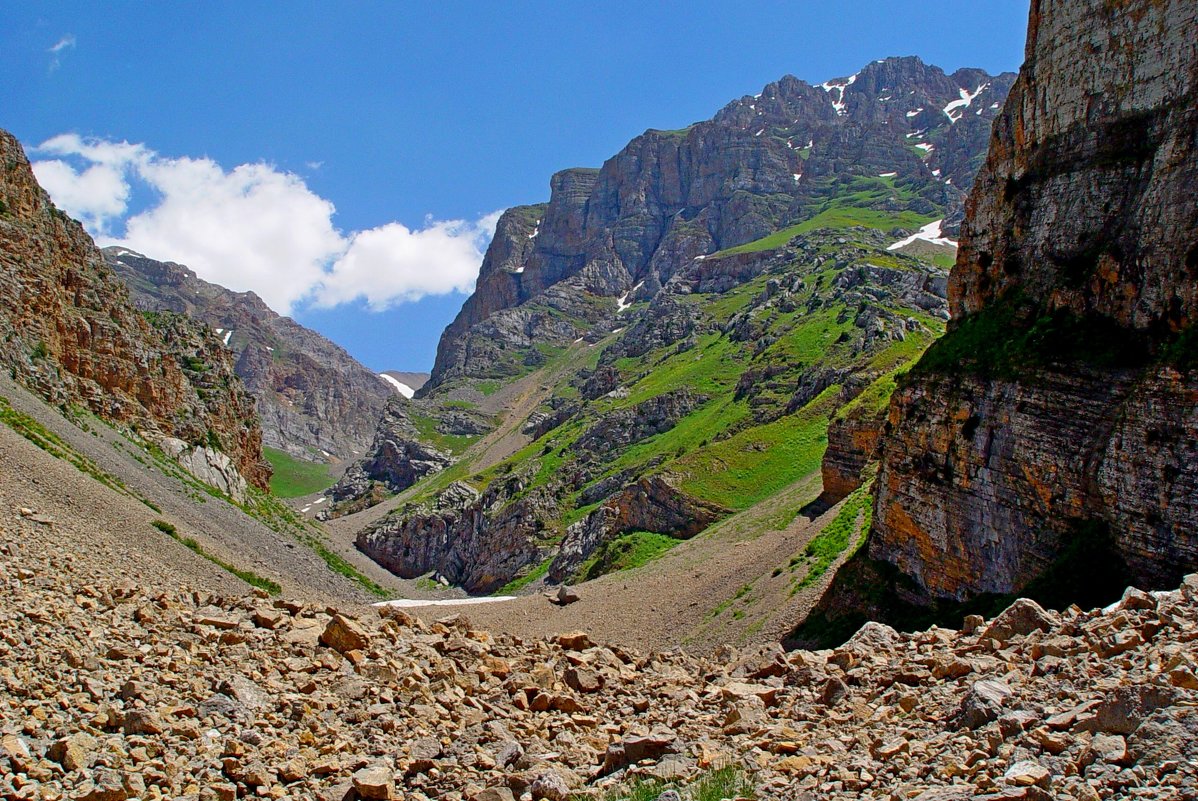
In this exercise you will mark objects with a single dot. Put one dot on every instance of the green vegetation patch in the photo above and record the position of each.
(453, 443)
(625, 553)
(1012, 336)
(754, 464)
(715, 785)
(248, 576)
(54, 445)
(515, 585)
(850, 525)
(293, 477)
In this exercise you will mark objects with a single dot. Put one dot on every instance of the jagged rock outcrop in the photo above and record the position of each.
(651, 504)
(397, 458)
(479, 542)
(314, 400)
(623, 427)
(614, 236)
(69, 331)
(1063, 404)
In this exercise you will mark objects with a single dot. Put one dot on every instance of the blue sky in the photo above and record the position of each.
(346, 159)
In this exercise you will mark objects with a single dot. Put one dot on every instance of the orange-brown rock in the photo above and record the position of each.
(68, 331)
(1078, 251)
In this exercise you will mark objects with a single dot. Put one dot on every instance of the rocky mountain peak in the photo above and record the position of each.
(760, 164)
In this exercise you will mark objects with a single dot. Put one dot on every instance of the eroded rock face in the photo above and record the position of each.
(396, 459)
(1085, 211)
(314, 400)
(69, 331)
(613, 236)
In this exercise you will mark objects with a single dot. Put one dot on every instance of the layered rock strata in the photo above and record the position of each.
(1063, 404)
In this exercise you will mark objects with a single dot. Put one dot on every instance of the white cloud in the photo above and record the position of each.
(256, 228)
(392, 263)
(67, 42)
(92, 195)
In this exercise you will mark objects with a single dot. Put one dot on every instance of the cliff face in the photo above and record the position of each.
(608, 237)
(314, 400)
(1063, 404)
(68, 330)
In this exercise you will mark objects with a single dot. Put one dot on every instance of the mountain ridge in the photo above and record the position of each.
(314, 400)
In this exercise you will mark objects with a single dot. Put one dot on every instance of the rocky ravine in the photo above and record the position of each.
(115, 689)
(1062, 408)
(314, 400)
(68, 330)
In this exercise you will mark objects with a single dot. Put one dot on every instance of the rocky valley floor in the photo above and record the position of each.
(164, 684)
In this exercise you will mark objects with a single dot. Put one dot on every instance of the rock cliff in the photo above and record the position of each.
(608, 237)
(314, 400)
(69, 331)
(1060, 413)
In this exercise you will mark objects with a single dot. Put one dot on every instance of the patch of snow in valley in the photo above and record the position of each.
(414, 603)
(915, 113)
(929, 233)
(321, 499)
(964, 102)
(228, 334)
(536, 229)
(887, 174)
(400, 387)
(925, 147)
(797, 176)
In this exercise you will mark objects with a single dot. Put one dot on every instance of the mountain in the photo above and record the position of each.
(314, 400)
(1047, 444)
(665, 342)
(616, 235)
(69, 331)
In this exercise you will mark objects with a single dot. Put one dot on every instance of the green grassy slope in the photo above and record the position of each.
(757, 429)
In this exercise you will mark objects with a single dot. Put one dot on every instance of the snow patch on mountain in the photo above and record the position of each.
(400, 387)
(955, 109)
(929, 233)
(839, 87)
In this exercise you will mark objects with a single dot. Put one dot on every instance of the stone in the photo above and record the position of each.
(375, 782)
(575, 641)
(140, 721)
(1027, 774)
(567, 595)
(550, 786)
(344, 635)
(493, 794)
(583, 680)
(833, 692)
(1111, 748)
(985, 702)
(72, 752)
(1022, 617)
(104, 785)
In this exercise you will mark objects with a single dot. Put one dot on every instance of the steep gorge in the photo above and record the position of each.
(696, 312)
